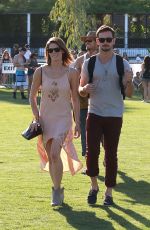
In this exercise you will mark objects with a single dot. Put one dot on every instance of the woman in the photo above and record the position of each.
(33, 64)
(59, 86)
(145, 73)
(6, 58)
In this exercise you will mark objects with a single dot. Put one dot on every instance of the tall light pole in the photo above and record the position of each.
(28, 28)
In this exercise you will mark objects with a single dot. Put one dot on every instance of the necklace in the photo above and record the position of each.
(106, 66)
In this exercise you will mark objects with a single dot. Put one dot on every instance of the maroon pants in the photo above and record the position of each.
(110, 128)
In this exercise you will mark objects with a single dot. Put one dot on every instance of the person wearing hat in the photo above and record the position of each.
(20, 63)
(91, 49)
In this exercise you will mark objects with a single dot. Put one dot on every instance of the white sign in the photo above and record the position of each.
(8, 68)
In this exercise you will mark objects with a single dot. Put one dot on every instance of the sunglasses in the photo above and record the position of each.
(102, 40)
(88, 41)
(50, 50)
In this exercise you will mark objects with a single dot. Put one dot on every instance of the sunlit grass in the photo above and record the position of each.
(25, 190)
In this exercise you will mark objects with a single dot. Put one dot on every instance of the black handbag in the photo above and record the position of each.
(28, 134)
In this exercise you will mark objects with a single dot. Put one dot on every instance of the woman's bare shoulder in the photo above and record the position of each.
(73, 70)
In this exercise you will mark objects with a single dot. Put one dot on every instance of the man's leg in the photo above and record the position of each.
(83, 116)
(112, 129)
(94, 133)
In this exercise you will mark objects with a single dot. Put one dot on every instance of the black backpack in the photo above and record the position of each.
(120, 70)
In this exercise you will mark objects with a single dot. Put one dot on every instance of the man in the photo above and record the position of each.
(104, 112)
(20, 63)
(27, 53)
(91, 48)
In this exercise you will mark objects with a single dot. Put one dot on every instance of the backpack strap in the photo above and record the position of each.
(91, 65)
(120, 70)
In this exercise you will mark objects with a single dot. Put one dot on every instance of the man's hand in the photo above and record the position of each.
(89, 88)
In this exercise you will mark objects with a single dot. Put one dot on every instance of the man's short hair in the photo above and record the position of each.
(105, 28)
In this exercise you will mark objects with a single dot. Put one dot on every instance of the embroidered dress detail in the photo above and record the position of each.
(54, 91)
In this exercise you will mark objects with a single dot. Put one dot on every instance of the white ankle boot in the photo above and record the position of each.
(57, 196)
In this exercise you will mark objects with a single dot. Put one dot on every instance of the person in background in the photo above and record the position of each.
(137, 83)
(125, 56)
(20, 63)
(14, 50)
(82, 52)
(116, 51)
(145, 74)
(6, 58)
(28, 52)
(32, 65)
(138, 58)
(91, 49)
(59, 86)
(105, 112)
(74, 54)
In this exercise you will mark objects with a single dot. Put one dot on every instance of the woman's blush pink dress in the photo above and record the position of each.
(56, 121)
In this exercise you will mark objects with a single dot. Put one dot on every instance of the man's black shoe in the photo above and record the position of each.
(108, 201)
(92, 197)
(83, 172)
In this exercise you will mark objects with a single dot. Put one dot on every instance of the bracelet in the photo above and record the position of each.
(36, 119)
(83, 92)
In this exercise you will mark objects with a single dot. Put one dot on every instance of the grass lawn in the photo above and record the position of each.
(25, 190)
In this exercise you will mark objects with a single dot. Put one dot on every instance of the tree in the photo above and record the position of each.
(17, 6)
(71, 20)
(121, 6)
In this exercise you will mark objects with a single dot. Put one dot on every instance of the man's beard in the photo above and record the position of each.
(105, 49)
(88, 49)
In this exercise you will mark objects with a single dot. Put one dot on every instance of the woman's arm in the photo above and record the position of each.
(37, 79)
(74, 84)
(127, 82)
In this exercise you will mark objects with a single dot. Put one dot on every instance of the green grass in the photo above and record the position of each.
(25, 190)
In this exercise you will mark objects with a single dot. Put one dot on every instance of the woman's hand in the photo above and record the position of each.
(34, 125)
(77, 131)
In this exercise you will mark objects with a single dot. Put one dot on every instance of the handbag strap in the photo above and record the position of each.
(39, 93)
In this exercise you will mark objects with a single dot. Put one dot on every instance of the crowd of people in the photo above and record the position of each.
(24, 61)
(68, 94)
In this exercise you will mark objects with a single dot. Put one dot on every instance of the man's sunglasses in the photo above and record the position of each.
(102, 40)
(50, 50)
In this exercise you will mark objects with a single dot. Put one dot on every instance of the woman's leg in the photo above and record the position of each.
(144, 83)
(30, 78)
(53, 149)
(148, 91)
(4, 78)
